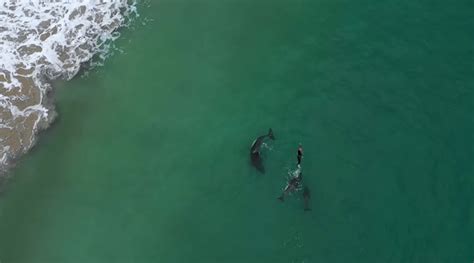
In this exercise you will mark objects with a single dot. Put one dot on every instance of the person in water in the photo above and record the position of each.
(300, 154)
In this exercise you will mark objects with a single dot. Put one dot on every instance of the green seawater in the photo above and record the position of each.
(149, 160)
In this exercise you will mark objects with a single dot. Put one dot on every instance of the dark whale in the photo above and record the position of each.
(306, 197)
(292, 185)
(255, 156)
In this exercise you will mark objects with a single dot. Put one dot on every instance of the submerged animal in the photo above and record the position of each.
(255, 156)
(306, 197)
(292, 185)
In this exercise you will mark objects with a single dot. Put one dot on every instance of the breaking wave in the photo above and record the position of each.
(41, 41)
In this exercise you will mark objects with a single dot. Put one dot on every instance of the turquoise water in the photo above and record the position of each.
(149, 162)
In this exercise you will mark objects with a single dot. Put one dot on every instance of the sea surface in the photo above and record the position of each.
(148, 160)
(41, 41)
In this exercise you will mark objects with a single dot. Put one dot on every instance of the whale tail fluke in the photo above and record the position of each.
(270, 134)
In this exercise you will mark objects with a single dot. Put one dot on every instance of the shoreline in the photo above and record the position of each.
(53, 42)
(43, 125)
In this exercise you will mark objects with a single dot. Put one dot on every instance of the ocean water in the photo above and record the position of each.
(148, 159)
(42, 41)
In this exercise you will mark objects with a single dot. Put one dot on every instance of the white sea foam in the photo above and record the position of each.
(44, 40)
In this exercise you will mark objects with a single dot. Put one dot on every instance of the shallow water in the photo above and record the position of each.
(149, 159)
(41, 41)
